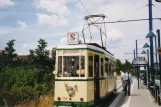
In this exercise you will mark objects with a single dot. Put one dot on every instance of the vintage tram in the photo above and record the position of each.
(84, 75)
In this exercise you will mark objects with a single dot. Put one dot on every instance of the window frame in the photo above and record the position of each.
(79, 63)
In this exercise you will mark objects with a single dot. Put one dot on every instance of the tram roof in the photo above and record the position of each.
(93, 46)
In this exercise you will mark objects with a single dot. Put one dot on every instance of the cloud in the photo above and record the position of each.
(23, 53)
(22, 24)
(6, 3)
(63, 41)
(25, 45)
(113, 35)
(53, 20)
(54, 6)
(5, 30)
(121, 36)
(90, 4)
(31, 45)
(57, 13)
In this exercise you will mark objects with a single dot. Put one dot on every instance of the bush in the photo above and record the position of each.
(20, 84)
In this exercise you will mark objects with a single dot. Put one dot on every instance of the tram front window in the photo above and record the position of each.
(73, 66)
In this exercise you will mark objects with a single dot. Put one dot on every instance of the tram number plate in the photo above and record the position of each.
(64, 98)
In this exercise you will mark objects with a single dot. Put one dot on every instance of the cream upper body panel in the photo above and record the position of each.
(85, 46)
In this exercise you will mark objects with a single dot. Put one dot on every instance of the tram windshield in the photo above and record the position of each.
(73, 66)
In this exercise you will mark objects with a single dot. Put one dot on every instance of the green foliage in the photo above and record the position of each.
(22, 80)
(123, 66)
(10, 56)
(40, 59)
(20, 84)
(8, 59)
(118, 66)
(127, 65)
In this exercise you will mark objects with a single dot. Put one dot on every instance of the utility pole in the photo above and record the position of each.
(158, 32)
(136, 49)
(151, 42)
(148, 67)
(137, 65)
(156, 55)
(134, 65)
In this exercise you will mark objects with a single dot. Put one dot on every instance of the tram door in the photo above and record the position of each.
(96, 78)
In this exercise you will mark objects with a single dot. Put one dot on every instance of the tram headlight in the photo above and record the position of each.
(54, 72)
(70, 90)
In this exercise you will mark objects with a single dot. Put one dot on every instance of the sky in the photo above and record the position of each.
(27, 21)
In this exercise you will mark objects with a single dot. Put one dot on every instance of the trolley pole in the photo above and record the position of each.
(151, 42)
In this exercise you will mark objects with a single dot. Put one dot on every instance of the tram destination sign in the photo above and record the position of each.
(71, 52)
(72, 38)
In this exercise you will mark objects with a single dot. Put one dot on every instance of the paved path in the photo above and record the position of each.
(138, 98)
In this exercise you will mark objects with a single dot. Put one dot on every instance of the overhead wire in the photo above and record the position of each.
(119, 21)
(121, 18)
(90, 19)
(132, 11)
(156, 7)
(84, 7)
(133, 20)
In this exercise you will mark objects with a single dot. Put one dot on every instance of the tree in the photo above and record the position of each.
(123, 66)
(118, 66)
(8, 57)
(29, 79)
(127, 64)
(10, 50)
(41, 60)
(53, 54)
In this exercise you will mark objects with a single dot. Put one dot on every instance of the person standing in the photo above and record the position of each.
(122, 74)
(128, 81)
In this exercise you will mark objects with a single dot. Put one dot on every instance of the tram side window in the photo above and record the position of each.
(112, 69)
(109, 69)
(82, 67)
(59, 66)
(90, 66)
(102, 66)
(106, 67)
